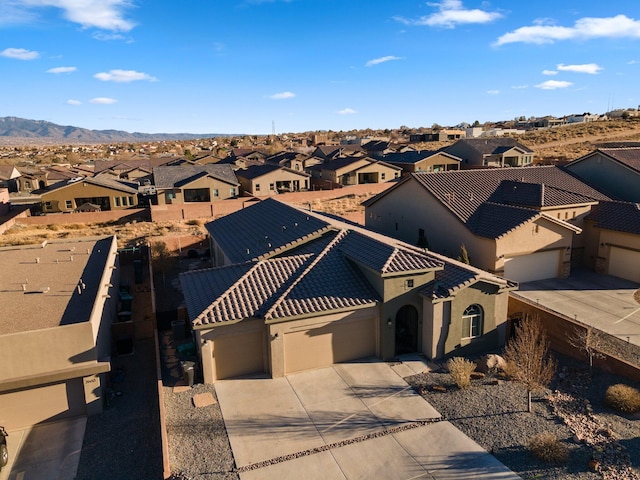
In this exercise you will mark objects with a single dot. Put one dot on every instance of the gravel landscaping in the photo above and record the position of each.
(494, 413)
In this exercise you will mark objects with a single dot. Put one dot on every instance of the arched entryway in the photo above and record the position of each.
(407, 330)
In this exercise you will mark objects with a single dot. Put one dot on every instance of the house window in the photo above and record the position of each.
(232, 191)
(409, 283)
(472, 322)
(131, 201)
(27, 184)
(272, 186)
(382, 176)
(215, 193)
(257, 187)
(47, 205)
(68, 204)
(117, 201)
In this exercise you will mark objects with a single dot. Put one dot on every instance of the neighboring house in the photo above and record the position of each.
(442, 135)
(614, 170)
(195, 183)
(9, 176)
(103, 191)
(613, 239)
(261, 180)
(423, 161)
(520, 223)
(355, 171)
(59, 299)
(5, 201)
(491, 152)
(331, 152)
(377, 148)
(296, 290)
(136, 170)
(248, 154)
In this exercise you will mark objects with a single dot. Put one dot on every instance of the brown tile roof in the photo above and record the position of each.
(618, 216)
(455, 277)
(494, 145)
(255, 171)
(628, 156)
(179, 175)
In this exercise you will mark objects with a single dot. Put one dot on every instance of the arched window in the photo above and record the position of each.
(472, 322)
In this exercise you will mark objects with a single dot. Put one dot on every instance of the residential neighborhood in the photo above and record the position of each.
(312, 336)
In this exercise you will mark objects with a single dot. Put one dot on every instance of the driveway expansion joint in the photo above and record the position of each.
(331, 446)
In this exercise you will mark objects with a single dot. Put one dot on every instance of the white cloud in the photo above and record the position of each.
(123, 76)
(549, 72)
(346, 111)
(520, 87)
(62, 70)
(493, 92)
(377, 61)
(553, 84)
(106, 37)
(586, 28)
(103, 14)
(632, 62)
(103, 100)
(590, 68)
(19, 54)
(450, 14)
(282, 96)
(71, 101)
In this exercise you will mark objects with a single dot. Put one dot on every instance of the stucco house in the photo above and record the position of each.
(59, 300)
(294, 290)
(612, 231)
(491, 152)
(355, 171)
(267, 179)
(104, 191)
(9, 176)
(614, 170)
(520, 223)
(194, 183)
(423, 161)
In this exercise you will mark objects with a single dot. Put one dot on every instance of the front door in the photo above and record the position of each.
(407, 330)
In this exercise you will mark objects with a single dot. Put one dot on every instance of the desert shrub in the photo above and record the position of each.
(196, 222)
(460, 370)
(623, 398)
(548, 448)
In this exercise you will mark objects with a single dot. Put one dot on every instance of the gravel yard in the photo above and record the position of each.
(496, 417)
(494, 414)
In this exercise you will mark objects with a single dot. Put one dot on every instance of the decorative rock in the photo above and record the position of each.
(490, 363)
(203, 400)
(477, 375)
(438, 388)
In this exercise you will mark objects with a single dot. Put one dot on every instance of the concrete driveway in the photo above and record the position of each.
(604, 302)
(49, 451)
(350, 421)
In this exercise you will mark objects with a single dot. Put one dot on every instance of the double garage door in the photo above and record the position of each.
(305, 347)
(625, 264)
(536, 266)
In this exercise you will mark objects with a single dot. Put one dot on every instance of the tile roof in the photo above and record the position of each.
(536, 195)
(176, 176)
(618, 216)
(629, 156)
(255, 171)
(103, 180)
(339, 163)
(384, 258)
(493, 220)
(263, 228)
(465, 191)
(414, 156)
(492, 145)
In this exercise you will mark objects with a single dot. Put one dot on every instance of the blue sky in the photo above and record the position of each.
(236, 66)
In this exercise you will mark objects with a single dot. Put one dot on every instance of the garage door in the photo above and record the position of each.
(239, 355)
(40, 404)
(334, 342)
(528, 268)
(624, 264)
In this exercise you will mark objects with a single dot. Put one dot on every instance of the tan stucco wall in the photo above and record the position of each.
(528, 239)
(427, 164)
(413, 208)
(82, 189)
(598, 252)
(265, 181)
(224, 190)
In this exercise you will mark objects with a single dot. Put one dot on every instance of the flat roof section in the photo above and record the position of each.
(50, 284)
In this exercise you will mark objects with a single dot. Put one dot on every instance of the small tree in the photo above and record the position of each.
(527, 356)
(161, 258)
(464, 256)
(590, 341)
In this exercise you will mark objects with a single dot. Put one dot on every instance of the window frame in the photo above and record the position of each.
(474, 315)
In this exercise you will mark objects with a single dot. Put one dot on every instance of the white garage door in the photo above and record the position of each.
(537, 266)
(624, 264)
(334, 342)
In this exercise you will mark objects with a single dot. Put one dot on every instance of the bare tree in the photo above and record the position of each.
(161, 258)
(527, 356)
(590, 341)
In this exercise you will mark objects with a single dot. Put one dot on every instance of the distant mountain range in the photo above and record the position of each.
(23, 130)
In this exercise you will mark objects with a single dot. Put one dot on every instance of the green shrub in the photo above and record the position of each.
(548, 448)
(623, 398)
(460, 370)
